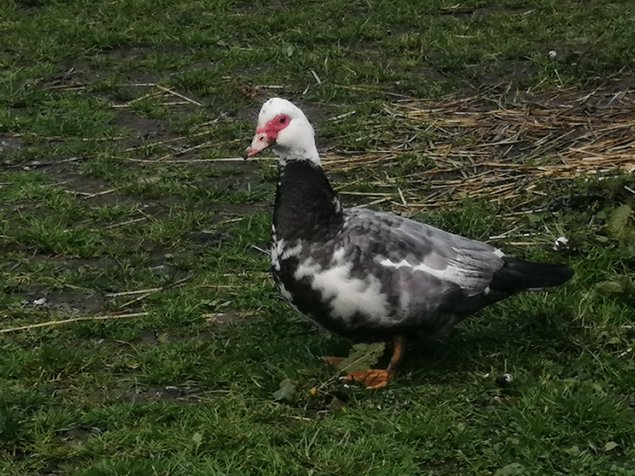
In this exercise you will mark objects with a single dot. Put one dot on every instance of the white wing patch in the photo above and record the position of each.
(459, 276)
(498, 253)
(338, 255)
(348, 295)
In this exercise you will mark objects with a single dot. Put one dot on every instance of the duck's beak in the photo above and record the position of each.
(260, 142)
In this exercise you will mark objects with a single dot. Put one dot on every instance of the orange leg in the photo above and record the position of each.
(379, 378)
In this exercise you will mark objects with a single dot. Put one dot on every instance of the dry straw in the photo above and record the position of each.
(490, 148)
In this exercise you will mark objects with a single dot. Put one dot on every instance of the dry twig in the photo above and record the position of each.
(73, 319)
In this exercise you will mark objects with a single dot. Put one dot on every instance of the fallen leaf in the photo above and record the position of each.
(313, 391)
(623, 287)
(609, 288)
(618, 223)
(362, 357)
(610, 445)
(286, 390)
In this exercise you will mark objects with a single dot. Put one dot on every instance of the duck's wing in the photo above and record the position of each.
(419, 257)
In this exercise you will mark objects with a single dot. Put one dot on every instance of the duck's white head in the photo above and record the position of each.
(284, 127)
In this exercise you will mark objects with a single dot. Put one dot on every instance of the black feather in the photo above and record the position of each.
(517, 275)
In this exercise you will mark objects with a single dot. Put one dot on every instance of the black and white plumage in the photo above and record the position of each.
(369, 275)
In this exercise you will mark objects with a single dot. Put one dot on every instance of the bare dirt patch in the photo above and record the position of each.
(144, 128)
(71, 300)
(9, 144)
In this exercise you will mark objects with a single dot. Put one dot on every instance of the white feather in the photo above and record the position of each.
(348, 295)
(451, 274)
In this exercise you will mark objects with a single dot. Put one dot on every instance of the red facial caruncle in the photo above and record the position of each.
(268, 134)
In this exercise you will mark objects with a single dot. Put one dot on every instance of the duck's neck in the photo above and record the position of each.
(306, 205)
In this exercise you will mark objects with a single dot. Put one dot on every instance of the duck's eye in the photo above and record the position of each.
(283, 120)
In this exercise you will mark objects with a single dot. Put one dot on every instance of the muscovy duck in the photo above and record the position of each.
(369, 275)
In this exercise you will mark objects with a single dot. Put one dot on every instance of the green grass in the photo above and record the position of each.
(107, 185)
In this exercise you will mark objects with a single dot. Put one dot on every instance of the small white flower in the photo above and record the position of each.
(504, 380)
(552, 54)
(39, 302)
(561, 243)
